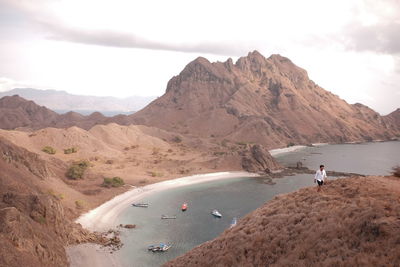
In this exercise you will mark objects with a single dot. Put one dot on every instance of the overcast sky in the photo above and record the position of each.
(123, 48)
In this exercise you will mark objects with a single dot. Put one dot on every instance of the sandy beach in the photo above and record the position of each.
(104, 217)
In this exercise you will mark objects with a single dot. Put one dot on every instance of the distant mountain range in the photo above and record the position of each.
(108, 106)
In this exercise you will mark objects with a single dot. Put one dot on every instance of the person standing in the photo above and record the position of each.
(320, 176)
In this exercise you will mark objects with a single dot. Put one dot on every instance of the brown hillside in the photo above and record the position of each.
(353, 222)
(270, 101)
(33, 224)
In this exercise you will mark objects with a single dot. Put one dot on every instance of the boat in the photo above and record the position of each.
(184, 206)
(141, 205)
(168, 217)
(159, 248)
(234, 222)
(216, 213)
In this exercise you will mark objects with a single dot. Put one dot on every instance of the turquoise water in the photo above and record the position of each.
(367, 158)
(233, 198)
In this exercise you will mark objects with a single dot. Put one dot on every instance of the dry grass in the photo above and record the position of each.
(354, 222)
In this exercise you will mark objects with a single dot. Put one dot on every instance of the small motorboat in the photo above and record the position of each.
(184, 206)
(168, 217)
(216, 213)
(141, 205)
(159, 248)
(234, 222)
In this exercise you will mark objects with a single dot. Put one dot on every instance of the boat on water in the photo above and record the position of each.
(184, 206)
(141, 205)
(159, 248)
(168, 217)
(216, 213)
(234, 222)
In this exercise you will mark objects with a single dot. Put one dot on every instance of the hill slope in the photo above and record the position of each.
(34, 226)
(270, 101)
(17, 112)
(353, 222)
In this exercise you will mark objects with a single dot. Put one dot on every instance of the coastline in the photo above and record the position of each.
(104, 217)
(278, 151)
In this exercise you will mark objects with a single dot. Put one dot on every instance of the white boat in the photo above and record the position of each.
(234, 222)
(141, 205)
(159, 248)
(216, 213)
(168, 217)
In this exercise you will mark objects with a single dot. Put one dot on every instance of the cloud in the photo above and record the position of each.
(44, 21)
(128, 40)
(375, 28)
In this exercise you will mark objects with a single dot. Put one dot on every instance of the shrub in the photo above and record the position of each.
(79, 204)
(49, 150)
(219, 153)
(113, 182)
(177, 139)
(155, 174)
(156, 150)
(143, 181)
(241, 143)
(70, 150)
(290, 144)
(77, 170)
(224, 142)
(396, 171)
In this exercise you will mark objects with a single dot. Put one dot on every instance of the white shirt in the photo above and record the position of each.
(320, 175)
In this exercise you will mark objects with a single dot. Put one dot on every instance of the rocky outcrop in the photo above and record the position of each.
(353, 222)
(19, 156)
(258, 159)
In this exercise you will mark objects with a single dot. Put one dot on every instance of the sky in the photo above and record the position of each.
(126, 47)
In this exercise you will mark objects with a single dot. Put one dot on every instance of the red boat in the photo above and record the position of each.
(184, 206)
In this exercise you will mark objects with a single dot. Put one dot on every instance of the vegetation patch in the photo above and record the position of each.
(113, 182)
(70, 150)
(79, 204)
(290, 144)
(177, 139)
(77, 169)
(49, 150)
(155, 174)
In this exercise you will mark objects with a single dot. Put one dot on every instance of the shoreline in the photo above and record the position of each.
(104, 216)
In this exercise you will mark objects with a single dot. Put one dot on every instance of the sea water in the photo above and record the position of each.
(233, 198)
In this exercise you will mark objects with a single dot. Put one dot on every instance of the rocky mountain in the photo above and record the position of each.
(354, 222)
(81, 103)
(269, 101)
